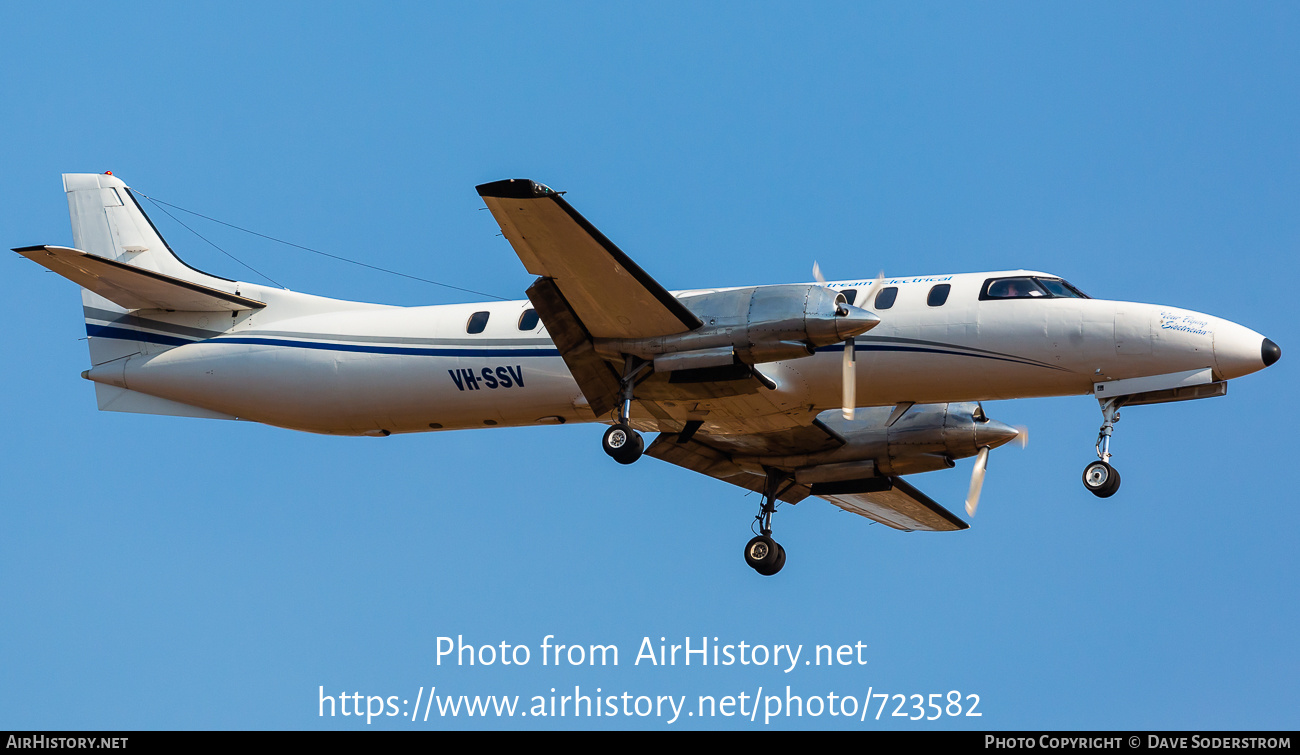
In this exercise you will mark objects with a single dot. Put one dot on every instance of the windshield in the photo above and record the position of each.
(1029, 287)
(1060, 288)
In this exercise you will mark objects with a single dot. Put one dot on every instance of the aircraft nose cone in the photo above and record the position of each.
(856, 321)
(994, 433)
(1270, 351)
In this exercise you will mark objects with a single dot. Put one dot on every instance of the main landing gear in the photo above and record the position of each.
(621, 442)
(763, 554)
(1099, 477)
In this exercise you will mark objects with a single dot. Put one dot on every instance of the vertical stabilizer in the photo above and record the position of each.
(107, 221)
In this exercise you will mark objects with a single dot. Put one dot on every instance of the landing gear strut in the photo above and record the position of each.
(621, 442)
(763, 554)
(1099, 477)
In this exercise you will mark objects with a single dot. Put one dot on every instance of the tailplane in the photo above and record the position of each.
(138, 297)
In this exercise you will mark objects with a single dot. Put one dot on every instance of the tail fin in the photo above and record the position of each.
(107, 221)
(139, 298)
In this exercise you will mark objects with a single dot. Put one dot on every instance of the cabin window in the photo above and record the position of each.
(885, 299)
(938, 295)
(477, 322)
(528, 320)
(850, 294)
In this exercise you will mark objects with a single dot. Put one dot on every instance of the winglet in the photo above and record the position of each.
(514, 188)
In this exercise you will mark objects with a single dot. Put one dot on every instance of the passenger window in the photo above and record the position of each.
(885, 299)
(477, 322)
(528, 320)
(938, 295)
(1012, 288)
(850, 294)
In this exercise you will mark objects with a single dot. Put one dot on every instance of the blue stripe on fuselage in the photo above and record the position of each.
(404, 350)
(104, 331)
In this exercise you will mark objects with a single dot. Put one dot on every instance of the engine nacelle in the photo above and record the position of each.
(755, 325)
(926, 438)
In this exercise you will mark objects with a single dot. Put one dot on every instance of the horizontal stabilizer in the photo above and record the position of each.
(133, 287)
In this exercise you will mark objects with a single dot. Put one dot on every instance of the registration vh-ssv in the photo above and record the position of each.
(828, 389)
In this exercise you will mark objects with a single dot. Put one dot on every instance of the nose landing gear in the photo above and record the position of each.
(1099, 477)
(763, 554)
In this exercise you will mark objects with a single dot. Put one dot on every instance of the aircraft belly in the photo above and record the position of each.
(343, 392)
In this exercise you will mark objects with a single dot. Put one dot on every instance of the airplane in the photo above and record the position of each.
(834, 390)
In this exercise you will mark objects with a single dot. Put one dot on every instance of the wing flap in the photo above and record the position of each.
(610, 294)
(893, 503)
(595, 377)
(133, 287)
(698, 457)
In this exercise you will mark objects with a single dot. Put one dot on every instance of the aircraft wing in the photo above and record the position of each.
(888, 500)
(588, 289)
(609, 294)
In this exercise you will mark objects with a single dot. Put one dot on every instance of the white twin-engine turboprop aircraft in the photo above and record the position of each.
(756, 386)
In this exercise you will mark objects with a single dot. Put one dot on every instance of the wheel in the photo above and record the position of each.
(623, 444)
(1101, 479)
(768, 571)
(762, 553)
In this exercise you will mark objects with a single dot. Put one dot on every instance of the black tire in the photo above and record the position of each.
(632, 451)
(761, 553)
(768, 571)
(1101, 479)
(623, 444)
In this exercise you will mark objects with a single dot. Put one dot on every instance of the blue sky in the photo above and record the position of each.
(169, 573)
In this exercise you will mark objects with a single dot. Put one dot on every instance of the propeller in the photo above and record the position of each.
(848, 370)
(849, 379)
(982, 465)
(977, 480)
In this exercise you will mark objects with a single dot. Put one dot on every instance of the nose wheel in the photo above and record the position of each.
(1099, 477)
(763, 554)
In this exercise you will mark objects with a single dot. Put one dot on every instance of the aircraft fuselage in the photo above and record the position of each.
(347, 368)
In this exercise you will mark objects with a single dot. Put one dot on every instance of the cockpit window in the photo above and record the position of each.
(885, 299)
(1013, 288)
(1029, 288)
(1060, 288)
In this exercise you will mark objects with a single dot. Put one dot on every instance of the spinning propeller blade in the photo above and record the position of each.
(977, 480)
(849, 378)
